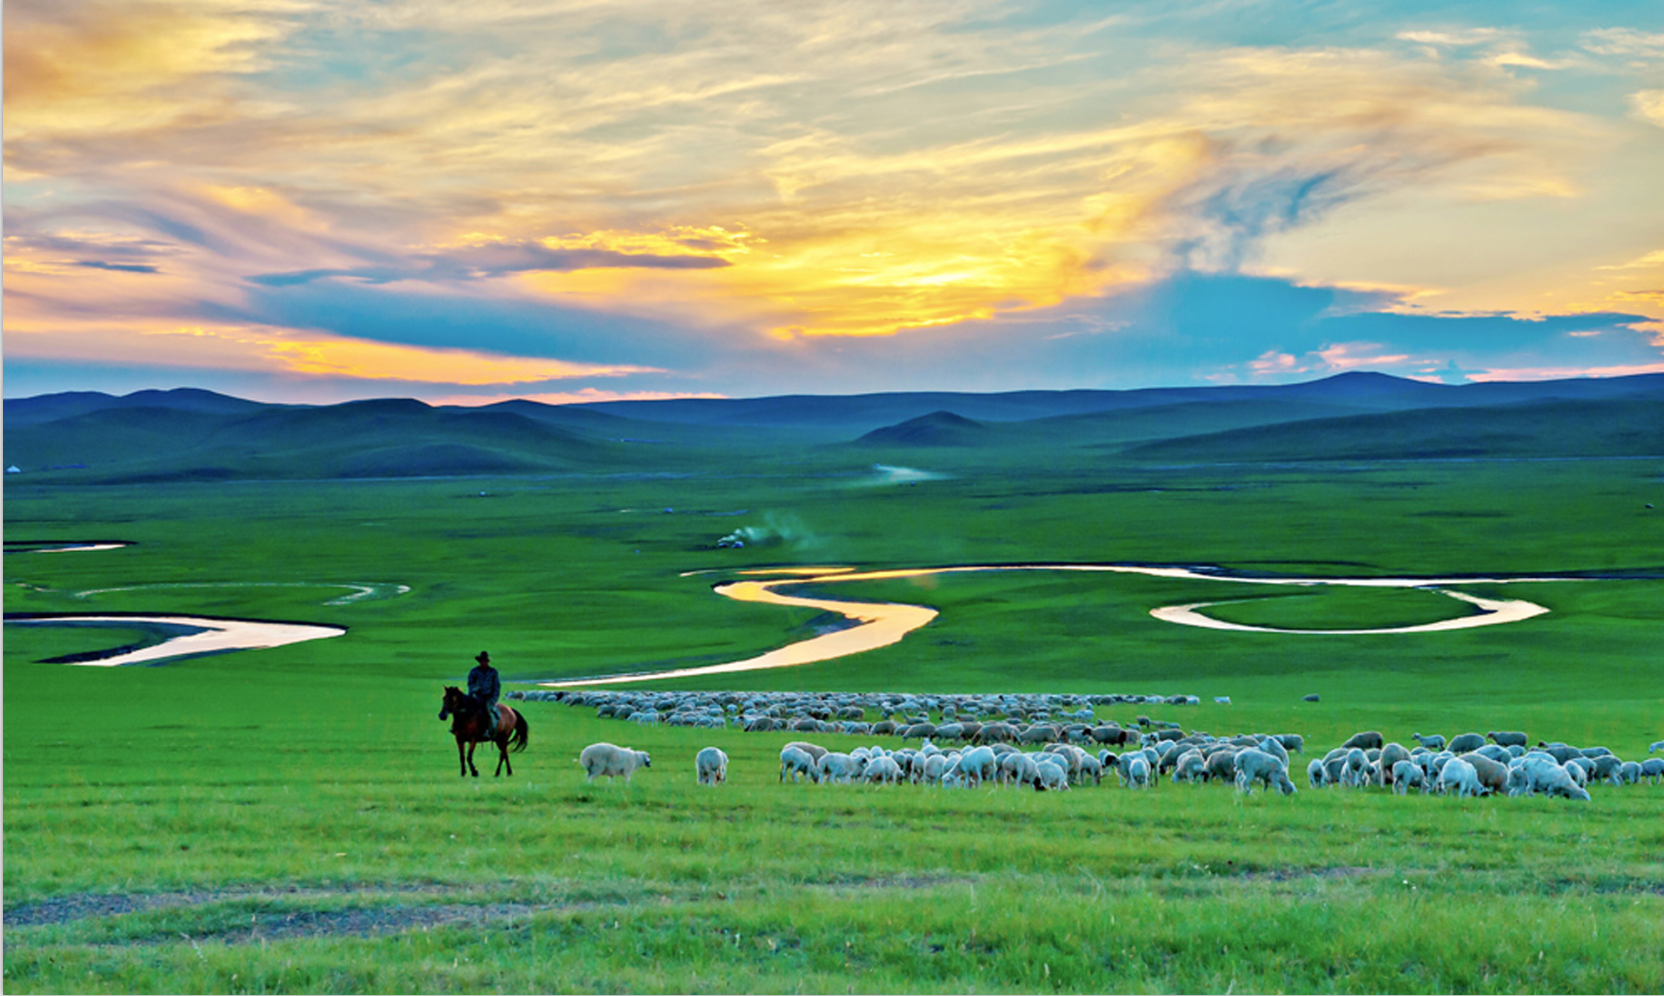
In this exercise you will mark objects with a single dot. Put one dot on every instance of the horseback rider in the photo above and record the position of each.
(485, 687)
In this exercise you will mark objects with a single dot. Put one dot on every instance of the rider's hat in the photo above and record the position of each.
(483, 658)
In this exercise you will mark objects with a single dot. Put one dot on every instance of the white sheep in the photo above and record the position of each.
(796, 761)
(1190, 767)
(1315, 773)
(978, 764)
(1054, 777)
(815, 751)
(612, 761)
(1460, 776)
(1091, 767)
(1657, 745)
(1152, 760)
(935, 767)
(1253, 765)
(711, 765)
(836, 766)
(884, 770)
(1356, 772)
(1406, 773)
(1274, 747)
(1138, 772)
(1549, 778)
(1432, 741)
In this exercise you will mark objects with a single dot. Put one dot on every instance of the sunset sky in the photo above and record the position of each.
(462, 202)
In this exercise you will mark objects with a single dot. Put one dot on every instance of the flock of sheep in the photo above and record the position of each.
(992, 751)
(909, 716)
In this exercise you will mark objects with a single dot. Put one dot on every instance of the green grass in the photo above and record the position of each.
(1336, 607)
(292, 819)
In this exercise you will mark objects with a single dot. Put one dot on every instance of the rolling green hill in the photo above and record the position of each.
(1543, 429)
(87, 437)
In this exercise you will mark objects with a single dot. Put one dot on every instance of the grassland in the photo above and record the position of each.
(291, 819)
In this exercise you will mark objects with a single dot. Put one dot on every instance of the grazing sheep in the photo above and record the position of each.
(1315, 773)
(1606, 768)
(1629, 773)
(1657, 745)
(711, 765)
(1138, 772)
(797, 761)
(1548, 778)
(1254, 765)
(1294, 743)
(1051, 778)
(1465, 743)
(1494, 752)
(612, 761)
(1310, 698)
(978, 765)
(1365, 741)
(1432, 741)
(1491, 773)
(815, 751)
(1406, 773)
(1091, 767)
(1459, 775)
(1580, 768)
(1559, 751)
(1356, 771)
(1387, 764)
(1190, 767)
(1505, 738)
(1653, 769)
(995, 732)
(1019, 769)
(1221, 765)
(1274, 747)
(935, 769)
(1114, 735)
(884, 770)
(836, 766)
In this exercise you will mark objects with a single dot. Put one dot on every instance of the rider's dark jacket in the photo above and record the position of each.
(485, 687)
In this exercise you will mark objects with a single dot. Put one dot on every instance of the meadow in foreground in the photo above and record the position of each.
(292, 820)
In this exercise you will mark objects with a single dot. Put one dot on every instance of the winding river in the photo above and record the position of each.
(872, 624)
(186, 636)
(879, 624)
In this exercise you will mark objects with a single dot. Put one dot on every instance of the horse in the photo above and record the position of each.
(468, 727)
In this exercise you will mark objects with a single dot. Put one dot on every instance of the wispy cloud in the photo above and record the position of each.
(623, 186)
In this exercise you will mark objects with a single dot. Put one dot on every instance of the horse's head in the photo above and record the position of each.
(454, 699)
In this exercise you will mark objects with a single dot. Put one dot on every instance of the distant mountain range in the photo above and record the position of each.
(190, 434)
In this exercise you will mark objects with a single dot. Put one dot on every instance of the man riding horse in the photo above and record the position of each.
(486, 688)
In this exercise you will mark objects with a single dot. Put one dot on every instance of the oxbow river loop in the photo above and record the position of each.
(879, 624)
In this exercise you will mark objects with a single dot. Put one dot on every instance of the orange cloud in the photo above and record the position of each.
(94, 69)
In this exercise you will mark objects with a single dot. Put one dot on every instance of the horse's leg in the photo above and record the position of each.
(460, 761)
(471, 769)
(502, 757)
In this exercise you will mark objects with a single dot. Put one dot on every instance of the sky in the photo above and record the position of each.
(569, 200)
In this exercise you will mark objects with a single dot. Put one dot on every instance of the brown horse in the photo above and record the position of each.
(468, 727)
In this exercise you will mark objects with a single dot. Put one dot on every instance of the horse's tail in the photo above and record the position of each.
(517, 739)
